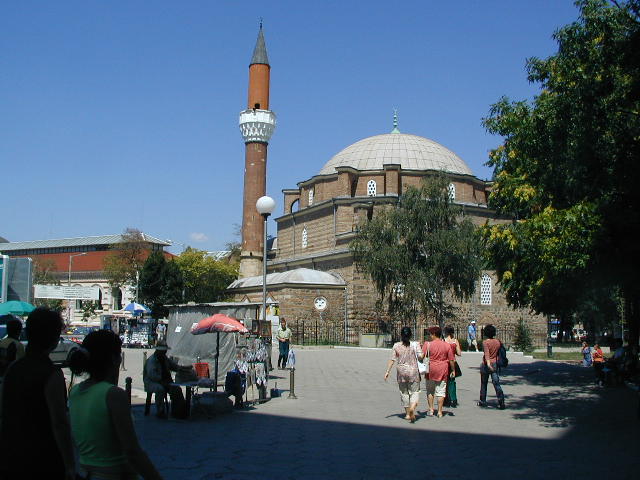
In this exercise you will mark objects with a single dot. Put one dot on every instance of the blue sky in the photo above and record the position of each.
(124, 113)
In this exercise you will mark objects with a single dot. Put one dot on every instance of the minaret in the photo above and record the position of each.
(256, 124)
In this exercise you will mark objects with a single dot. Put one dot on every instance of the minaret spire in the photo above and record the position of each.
(260, 51)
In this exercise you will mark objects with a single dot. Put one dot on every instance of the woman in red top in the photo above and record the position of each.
(451, 400)
(489, 367)
(598, 364)
(441, 367)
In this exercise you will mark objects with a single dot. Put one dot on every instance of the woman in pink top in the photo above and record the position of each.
(451, 400)
(441, 367)
(407, 354)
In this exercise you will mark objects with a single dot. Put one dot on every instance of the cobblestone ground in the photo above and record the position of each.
(347, 423)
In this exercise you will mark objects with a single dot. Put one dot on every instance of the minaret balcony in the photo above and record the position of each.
(257, 125)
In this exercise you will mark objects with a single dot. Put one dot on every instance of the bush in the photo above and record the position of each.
(522, 340)
(464, 345)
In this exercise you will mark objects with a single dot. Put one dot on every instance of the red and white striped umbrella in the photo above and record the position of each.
(218, 323)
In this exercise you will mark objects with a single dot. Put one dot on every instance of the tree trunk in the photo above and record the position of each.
(632, 315)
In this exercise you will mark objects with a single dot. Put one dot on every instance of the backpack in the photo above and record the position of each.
(502, 360)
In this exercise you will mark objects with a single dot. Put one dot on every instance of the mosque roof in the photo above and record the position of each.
(411, 152)
(300, 276)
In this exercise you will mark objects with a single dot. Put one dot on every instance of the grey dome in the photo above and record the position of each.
(410, 151)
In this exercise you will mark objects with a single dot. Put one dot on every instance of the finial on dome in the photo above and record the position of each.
(395, 121)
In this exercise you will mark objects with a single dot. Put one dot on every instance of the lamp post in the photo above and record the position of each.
(265, 206)
(69, 310)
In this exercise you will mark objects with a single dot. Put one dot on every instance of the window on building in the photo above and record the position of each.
(116, 295)
(310, 196)
(485, 289)
(304, 237)
(452, 191)
(371, 188)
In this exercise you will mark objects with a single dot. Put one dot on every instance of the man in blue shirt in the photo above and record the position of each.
(472, 334)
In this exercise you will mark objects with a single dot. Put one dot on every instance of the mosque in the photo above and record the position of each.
(311, 271)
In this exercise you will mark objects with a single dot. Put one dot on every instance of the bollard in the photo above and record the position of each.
(292, 384)
(127, 387)
(144, 360)
(122, 367)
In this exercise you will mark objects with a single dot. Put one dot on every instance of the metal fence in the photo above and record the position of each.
(319, 332)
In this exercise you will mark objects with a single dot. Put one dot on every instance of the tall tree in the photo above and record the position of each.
(567, 169)
(205, 279)
(161, 284)
(420, 253)
(126, 258)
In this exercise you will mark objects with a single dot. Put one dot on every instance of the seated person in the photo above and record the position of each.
(157, 378)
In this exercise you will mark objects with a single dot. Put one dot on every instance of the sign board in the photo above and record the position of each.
(20, 279)
(4, 269)
(63, 292)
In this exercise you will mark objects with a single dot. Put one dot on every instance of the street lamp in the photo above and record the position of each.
(69, 283)
(70, 260)
(265, 206)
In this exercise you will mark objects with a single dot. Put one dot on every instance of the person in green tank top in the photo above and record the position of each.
(100, 414)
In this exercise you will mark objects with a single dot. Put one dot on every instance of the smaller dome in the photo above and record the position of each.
(411, 152)
(299, 276)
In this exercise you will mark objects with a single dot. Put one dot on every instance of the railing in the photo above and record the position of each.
(320, 332)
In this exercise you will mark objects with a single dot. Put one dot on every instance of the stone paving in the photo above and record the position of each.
(347, 423)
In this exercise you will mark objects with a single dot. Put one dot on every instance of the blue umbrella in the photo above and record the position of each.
(16, 307)
(136, 308)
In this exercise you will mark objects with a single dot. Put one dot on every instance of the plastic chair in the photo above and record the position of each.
(202, 369)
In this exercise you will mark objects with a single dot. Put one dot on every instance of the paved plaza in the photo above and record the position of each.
(347, 423)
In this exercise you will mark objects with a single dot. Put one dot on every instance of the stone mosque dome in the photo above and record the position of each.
(410, 151)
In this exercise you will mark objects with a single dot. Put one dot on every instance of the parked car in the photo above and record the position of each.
(59, 356)
(61, 353)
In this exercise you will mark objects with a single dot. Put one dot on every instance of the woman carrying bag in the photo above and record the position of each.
(451, 399)
(407, 355)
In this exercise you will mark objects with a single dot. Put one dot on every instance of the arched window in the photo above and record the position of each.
(452, 192)
(116, 296)
(371, 188)
(304, 237)
(310, 196)
(485, 290)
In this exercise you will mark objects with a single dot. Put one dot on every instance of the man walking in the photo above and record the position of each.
(284, 338)
(472, 336)
(489, 367)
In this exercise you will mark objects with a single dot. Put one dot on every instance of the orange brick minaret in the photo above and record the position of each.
(257, 124)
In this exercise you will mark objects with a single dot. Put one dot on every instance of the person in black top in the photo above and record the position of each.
(35, 438)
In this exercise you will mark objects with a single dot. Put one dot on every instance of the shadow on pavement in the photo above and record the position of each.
(602, 437)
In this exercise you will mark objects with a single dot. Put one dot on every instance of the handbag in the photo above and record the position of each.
(422, 368)
(457, 370)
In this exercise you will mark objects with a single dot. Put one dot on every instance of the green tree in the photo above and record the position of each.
(522, 340)
(124, 262)
(567, 169)
(205, 279)
(43, 274)
(160, 284)
(421, 253)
